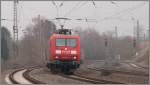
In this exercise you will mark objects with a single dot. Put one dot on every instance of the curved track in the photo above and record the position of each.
(16, 77)
(138, 70)
(75, 76)
(138, 66)
(119, 71)
(80, 77)
(11, 77)
(21, 76)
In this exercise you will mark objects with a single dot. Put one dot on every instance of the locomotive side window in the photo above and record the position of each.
(71, 42)
(60, 42)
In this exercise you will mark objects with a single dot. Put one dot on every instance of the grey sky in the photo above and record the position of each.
(106, 13)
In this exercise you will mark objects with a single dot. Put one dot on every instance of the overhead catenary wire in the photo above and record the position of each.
(121, 13)
(61, 4)
(117, 17)
(66, 13)
(72, 9)
(128, 10)
(94, 3)
(57, 11)
(116, 14)
(114, 3)
(77, 6)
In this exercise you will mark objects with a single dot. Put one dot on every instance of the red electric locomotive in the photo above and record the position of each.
(64, 51)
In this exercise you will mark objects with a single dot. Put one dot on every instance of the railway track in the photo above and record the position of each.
(21, 76)
(33, 80)
(120, 71)
(138, 66)
(27, 79)
(11, 77)
(141, 70)
(75, 76)
(80, 77)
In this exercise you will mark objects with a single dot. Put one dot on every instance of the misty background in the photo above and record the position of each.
(36, 25)
(122, 14)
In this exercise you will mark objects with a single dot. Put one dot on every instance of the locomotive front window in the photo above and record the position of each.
(60, 42)
(66, 42)
(71, 42)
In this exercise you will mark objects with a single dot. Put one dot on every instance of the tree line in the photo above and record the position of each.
(33, 47)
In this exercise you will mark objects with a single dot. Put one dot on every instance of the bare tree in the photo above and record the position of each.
(93, 45)
(34, 46)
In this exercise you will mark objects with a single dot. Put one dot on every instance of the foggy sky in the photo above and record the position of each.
(107, 14)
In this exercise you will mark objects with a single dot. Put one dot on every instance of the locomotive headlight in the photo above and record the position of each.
(74, 57)
(73, 52)
(56, 57)
(58, 51)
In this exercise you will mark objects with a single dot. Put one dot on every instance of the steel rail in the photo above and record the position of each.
(11, 76)
(83, 78)
(25, 75)
(99, 81)
(119, 71)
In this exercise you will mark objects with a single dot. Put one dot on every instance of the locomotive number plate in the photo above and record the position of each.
(65, 52)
